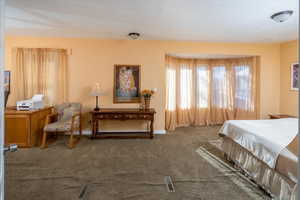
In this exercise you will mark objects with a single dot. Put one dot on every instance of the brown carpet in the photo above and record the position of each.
(132, 169)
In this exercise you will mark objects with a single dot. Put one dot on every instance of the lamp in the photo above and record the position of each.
(96, 92)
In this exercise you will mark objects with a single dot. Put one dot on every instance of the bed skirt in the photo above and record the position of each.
(277, 185)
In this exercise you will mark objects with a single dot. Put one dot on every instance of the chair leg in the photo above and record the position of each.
(80, 129)
(80, 132)
(44, 140)
(71, 140)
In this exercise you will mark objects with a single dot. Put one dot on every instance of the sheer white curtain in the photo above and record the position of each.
(203, 92)
(41, 71)
(245, 86)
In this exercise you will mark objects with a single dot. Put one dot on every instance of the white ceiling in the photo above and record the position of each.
(196, 20)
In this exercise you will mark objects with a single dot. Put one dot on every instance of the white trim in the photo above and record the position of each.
(89, 132)
(160, 132)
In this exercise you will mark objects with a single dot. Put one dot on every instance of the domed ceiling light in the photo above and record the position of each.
(282, 16)
(133, 35)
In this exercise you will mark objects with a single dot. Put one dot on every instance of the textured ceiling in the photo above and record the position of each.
(196, 20)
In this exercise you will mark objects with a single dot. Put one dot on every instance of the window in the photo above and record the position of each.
(209, 91)
(185, 87)
(243, 88)
(202, 87)
(171, 85)
(41, 71)
(219, 87)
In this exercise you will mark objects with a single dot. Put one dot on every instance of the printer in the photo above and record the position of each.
(35, 103)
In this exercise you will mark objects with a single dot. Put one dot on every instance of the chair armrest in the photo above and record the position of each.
(51, 118)
(74, 118)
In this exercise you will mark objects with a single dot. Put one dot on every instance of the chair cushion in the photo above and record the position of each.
(65, 113)
(68, 113)
(67, 110)
(60, 126)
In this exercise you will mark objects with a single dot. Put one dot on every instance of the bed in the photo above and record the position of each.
(266, 150)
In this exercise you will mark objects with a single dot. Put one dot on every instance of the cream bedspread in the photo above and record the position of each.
(264, 138)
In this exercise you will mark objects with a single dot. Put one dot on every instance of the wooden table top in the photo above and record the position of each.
(13, 110)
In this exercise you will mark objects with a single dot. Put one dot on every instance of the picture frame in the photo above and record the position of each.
(295, 76)
(6, 86)
(127, 84)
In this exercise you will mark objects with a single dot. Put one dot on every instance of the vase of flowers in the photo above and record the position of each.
(147, 94)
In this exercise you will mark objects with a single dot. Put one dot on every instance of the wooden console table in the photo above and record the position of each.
(122, 115)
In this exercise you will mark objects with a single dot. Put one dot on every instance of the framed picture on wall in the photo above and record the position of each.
(127, 80)
(295, 76)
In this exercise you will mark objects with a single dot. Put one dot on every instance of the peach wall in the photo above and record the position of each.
(92, 61)
(288, 97)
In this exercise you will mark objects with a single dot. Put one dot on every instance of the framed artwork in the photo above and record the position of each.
(295, 76)
(127, 79)
(6, 86)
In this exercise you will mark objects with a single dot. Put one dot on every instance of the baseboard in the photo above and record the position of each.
(89, 132)
(160, 132)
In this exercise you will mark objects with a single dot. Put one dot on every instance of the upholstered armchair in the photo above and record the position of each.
(66, 118)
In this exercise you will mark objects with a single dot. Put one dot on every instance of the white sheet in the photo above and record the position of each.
(264, 138)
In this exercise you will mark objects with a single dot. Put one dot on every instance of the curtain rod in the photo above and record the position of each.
(207, 56)
(69, 50)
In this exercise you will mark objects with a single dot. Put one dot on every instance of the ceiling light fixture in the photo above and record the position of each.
(134, 36)
(282, 16)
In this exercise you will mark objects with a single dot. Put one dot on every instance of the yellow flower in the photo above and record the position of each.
(147, 93)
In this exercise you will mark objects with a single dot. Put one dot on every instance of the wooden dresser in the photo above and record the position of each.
(25, 128)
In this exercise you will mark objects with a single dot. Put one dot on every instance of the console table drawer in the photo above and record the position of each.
(110, 116)
(125, 116)
(145, 116)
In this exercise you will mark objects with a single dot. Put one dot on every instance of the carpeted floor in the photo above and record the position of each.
(132, 169)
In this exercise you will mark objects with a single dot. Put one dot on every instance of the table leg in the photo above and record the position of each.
(95, 129)
(151, 129)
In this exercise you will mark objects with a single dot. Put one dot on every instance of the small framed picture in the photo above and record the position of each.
(127, 84)
(295, 76)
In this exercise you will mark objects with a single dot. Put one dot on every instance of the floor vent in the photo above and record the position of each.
(169, 184)
(83, 191)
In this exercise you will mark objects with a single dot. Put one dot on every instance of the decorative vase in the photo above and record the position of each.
(147, 102)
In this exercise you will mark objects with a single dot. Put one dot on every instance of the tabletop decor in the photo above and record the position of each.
(127, 84)
(96, 92)
(147, 94)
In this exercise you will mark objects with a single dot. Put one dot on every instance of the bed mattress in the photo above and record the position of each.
(265, 139)
(279, 182)
(287, 162)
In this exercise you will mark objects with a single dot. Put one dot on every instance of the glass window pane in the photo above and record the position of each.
(242, 87)
(171, 89)
(185, 87)
(202, 77)
(219, 87)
